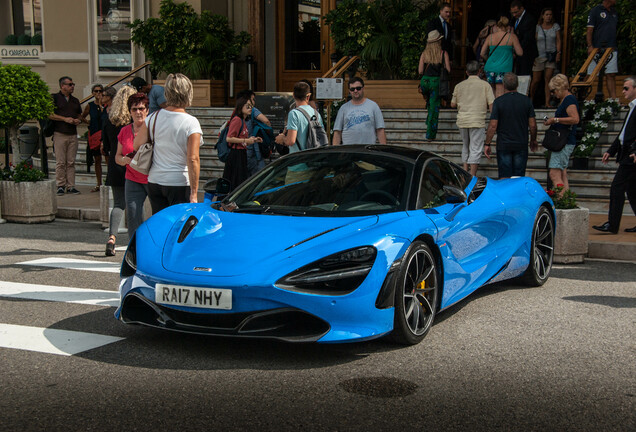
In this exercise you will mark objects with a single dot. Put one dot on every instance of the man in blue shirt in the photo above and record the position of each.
(602, 23)
(155, 94)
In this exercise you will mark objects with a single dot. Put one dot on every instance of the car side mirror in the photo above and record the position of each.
(454, 195)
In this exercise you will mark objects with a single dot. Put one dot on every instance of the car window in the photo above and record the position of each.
(463, 177)
(327, 184)
(437, 174)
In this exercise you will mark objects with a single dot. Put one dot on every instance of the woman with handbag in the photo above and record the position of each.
(118, 117)
(174, 175)
(566, 117)
(499, 48)
(548, 37)
(94, 111)
(136, 183)
(433, 63)
(238, 139)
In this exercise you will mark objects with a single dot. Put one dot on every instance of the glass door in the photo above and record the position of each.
(303, 51)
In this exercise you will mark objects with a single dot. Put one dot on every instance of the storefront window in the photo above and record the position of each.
(114, 50)
(27, 19)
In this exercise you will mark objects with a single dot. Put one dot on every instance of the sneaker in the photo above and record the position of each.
(60, 190)
(73, 191)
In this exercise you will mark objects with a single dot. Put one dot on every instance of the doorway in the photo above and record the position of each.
(303, 48)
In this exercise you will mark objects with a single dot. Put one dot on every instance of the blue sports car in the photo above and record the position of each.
(336, 244)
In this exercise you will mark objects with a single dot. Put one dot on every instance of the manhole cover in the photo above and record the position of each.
(385, 387)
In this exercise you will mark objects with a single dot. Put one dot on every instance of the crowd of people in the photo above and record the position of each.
(121, 121)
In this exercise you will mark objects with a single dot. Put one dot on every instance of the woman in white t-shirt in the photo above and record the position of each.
(174, 175)
(548, 36)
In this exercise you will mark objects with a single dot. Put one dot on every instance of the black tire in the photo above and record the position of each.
(416, 294)
(542, 249)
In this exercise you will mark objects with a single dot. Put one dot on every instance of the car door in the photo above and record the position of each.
(467, 231)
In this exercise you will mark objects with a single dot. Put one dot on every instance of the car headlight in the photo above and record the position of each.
(129, 264)
(337, 274)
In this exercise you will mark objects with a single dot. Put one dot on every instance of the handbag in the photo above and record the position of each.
(444, 82)
(142, 161)
(555, 138)
(94, 140)
(550, 56)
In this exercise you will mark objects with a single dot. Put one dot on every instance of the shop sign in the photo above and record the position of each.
(20, 51)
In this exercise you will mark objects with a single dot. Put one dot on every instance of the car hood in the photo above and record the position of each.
(231, 244)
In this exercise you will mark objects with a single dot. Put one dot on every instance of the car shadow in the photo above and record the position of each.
(145, 347)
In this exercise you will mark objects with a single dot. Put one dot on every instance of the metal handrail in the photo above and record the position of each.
(341, 66)
(583, 81)
(120, 79)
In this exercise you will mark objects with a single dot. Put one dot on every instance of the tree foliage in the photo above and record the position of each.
(23, 96)
(388, 35)
(181, 40)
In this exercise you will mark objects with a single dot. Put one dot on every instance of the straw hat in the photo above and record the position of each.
(433, 36)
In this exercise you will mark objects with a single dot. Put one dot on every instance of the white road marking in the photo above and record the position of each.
(75, 264)
(121, 248)
(59, 294)
(51, 341)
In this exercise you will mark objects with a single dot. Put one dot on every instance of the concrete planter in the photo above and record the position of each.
(28, 202)
(570, 242)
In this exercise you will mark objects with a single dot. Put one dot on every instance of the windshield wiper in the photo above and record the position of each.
(263, 209)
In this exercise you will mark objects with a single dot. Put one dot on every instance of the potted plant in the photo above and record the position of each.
(389, 37)
(570, 246)
(23, 96)
(26, 196)
(596, 117)
(199, 46)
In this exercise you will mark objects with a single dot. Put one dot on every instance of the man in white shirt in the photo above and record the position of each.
(624, 147)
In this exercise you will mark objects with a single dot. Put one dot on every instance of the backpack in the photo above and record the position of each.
(316, 135)
(222, 147)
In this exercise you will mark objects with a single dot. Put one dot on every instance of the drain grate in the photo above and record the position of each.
(385, 387)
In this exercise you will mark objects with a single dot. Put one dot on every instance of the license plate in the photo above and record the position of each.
(207, 298)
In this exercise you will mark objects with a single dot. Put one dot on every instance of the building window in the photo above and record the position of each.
(27, 19)
(114, 49)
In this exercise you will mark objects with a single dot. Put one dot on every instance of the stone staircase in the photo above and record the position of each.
(407, 128)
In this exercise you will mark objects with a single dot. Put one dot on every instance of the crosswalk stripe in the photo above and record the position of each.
(51, 341)
(59, 294)
(74, 264)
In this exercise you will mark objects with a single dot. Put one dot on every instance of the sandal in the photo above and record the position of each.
(95, 189)
(110, 247)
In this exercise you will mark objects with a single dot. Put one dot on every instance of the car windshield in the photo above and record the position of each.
(325, 184)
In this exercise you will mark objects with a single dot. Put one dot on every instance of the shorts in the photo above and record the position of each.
(512, 163)
(495, 77)
(473, 144)
(542, 63)
(560, 159)
(611, 67)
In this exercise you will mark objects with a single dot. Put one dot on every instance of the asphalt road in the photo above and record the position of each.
(558, 357)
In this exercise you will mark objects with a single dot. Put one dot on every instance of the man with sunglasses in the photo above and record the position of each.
(66, 114)
(360, 120)
(624, 148)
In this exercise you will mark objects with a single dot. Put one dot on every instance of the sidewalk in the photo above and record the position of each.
(621, 246)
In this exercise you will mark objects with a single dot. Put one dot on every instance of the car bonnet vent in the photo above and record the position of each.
(188, 226)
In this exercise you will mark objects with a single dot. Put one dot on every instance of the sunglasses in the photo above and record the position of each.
(70, 84)
(138, 109)
(355, 88)
(626, 88)
(98, 91)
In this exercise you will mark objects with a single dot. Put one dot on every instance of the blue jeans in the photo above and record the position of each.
(512, 163)
(136, 194)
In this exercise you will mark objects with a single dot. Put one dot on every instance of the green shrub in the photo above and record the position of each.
(388, 35)
(11, 40)
(23, 172)
(24, 40)
(36, 39)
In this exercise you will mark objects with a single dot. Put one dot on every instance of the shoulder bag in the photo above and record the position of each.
(142, 161)
(444, 81)
(555, 138)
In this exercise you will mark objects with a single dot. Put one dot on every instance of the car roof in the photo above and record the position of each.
(412, 154)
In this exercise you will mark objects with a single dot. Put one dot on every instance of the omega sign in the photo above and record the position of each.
(19, 51)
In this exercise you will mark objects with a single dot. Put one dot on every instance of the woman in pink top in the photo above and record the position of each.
(136, 187)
